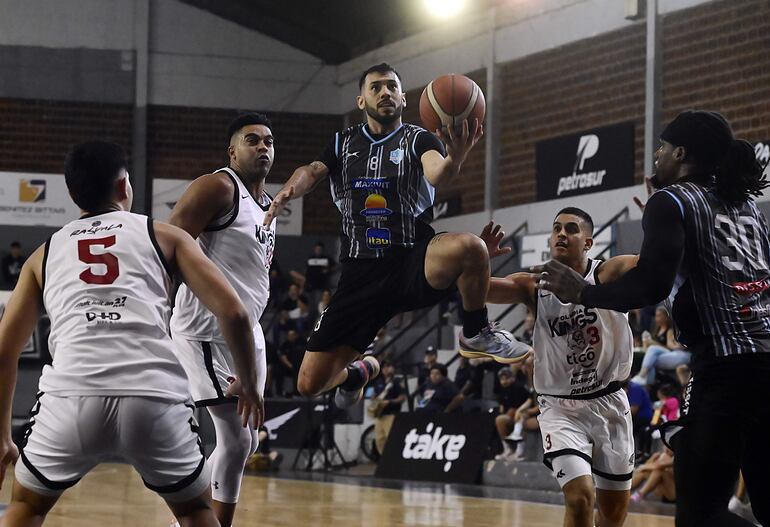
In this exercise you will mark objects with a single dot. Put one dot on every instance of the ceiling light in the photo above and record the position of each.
(444, 8)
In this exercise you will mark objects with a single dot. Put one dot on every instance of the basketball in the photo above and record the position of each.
(450, 99)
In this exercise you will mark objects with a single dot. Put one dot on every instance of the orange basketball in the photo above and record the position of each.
(450, 99)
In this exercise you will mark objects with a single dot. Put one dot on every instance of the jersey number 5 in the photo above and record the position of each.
(108, 260)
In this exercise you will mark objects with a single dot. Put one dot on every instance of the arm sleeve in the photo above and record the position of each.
(426, 141)
(653, 277)
(329, 155)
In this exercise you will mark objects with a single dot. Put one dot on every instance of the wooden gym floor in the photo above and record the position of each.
(113, 495)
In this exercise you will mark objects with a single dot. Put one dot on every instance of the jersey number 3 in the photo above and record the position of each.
(110, 261)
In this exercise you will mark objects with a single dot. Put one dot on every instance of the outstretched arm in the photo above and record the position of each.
(517, 288)
(302, 181)
(649, 282)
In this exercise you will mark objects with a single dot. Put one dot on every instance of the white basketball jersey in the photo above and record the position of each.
(106, 288)
(243, 250)
(579, 350)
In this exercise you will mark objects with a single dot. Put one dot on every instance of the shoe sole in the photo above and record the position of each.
(469, 354)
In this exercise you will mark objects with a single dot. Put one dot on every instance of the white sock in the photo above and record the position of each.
(517, 431)
(520, 448)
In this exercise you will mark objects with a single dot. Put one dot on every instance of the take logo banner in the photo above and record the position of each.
(448, 448)
(586, 162)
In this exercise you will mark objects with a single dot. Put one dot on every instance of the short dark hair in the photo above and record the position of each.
(430, 350)
(505, 372)
(382, 67)
(90, 170)
(246, 119)
(16, 244)
(580, 213)
(319, 243)
(440, 367)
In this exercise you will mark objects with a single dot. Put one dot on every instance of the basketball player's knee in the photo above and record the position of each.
(578, 499)
(308, 386)
(471, 247)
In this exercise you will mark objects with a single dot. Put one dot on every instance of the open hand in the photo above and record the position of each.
(458, 146)
(279, 202)
(650, 190)
(251, 405)
(492, 234)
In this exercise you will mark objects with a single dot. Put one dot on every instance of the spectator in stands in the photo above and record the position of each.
(668, 395)
(318, 271)
(468, 379)
(271, 356)
(296, 305)
(389, 395)
(431, 358)
(662, 351)
(12, 263)
(641, 415)
(440, 395)
(323, 303)
(655, 476)
(290, 355)
(277, 284)
(513, 394)
(281, 327)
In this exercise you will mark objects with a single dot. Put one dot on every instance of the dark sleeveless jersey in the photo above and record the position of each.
(721, 298)
(379, 187)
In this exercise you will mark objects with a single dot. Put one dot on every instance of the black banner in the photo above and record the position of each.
(448, 448)
(587, 162)
(291, 423)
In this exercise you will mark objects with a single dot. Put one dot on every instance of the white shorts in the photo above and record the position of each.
(598, 431)
(68, 436)
(209, 365)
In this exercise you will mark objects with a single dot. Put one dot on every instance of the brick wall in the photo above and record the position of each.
(716, 57)
(587, 84)
(35, 135)
(182, 142)
(187, 142)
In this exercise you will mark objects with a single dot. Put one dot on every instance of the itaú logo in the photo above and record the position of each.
(433, 445)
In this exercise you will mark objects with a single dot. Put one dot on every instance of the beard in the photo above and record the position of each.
(371, 111)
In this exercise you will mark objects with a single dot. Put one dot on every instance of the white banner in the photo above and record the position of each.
(166, 192)
(535, 248)
(35, 199)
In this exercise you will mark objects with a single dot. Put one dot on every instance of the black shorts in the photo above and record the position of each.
(370, 292)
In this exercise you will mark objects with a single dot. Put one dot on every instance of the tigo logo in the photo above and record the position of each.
(31, 190)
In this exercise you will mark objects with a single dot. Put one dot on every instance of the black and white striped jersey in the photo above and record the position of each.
(721, 298)
(379, 187)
